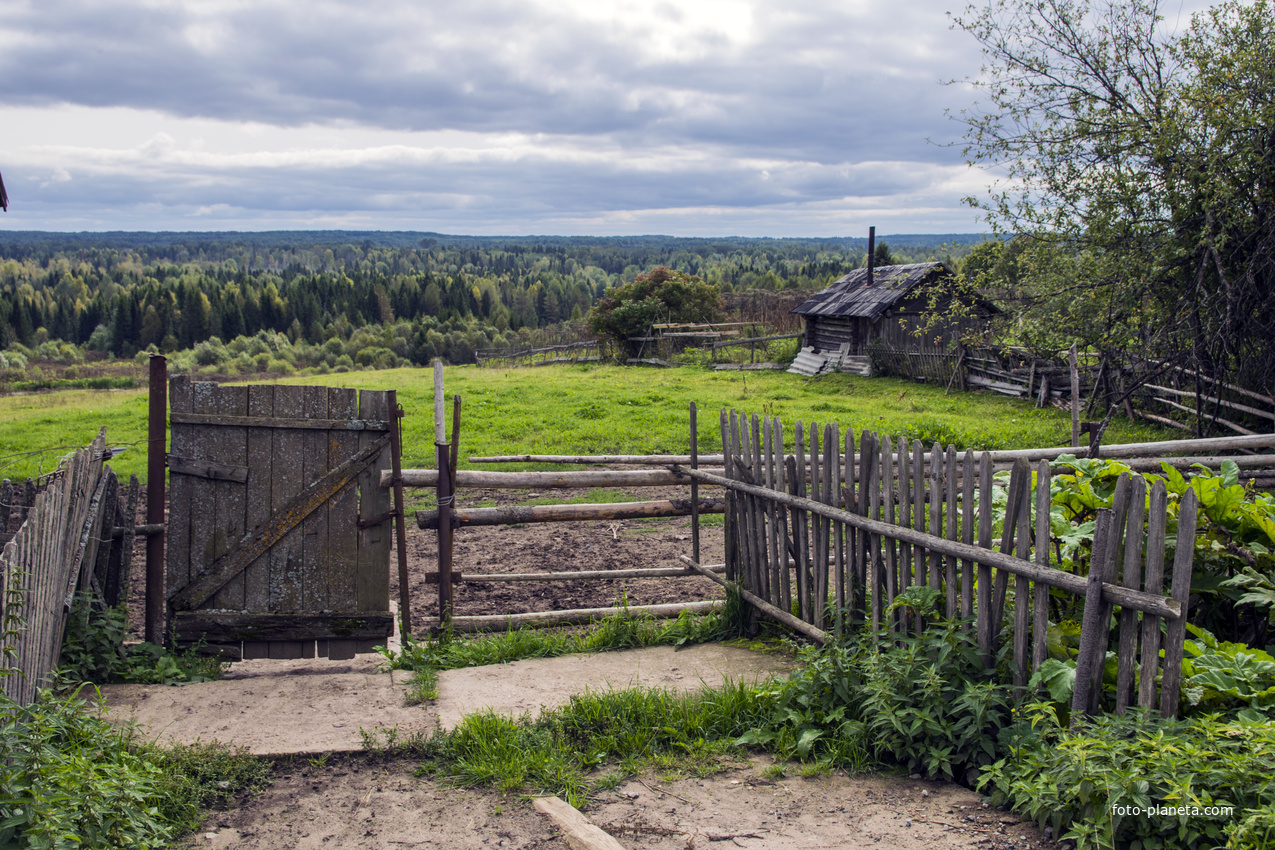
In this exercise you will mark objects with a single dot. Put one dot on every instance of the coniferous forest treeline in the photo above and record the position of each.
(421, 295)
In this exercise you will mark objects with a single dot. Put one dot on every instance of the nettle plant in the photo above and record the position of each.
(1234, 546)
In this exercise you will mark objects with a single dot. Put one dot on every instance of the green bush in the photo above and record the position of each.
(1083, 780)
(69, 778)
(925, 702)
(94, 651)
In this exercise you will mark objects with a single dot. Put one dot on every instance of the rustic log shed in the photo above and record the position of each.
(888, 304)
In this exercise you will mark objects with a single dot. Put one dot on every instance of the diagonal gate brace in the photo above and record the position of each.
(258, 541)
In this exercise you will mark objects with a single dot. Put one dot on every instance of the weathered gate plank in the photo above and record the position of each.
(222, 627)
(203, 468)
(314, 528)
(228, 446)
(258, 502)
(285, 557)
(343, 510)
(203, 496)
(259, 498)
(372, 587)
(292, 422)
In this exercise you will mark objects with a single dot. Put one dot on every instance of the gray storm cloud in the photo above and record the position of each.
(565, 109)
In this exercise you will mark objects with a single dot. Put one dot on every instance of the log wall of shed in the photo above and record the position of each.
(828, 333)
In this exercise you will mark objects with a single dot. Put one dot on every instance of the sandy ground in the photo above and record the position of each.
(328, 793)
(320, 706)
(366, 802)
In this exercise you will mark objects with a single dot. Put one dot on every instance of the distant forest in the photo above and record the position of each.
(121, 293)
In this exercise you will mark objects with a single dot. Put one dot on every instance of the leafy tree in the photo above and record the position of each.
(660, 295)
(1141, 167)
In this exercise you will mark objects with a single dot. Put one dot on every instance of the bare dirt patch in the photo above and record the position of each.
(563, 547)
(375, 803)
(272, 707)
(358, 800)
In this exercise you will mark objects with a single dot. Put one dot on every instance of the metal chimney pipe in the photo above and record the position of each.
(872, 252)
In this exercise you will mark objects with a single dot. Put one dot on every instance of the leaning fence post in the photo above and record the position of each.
(1093, 630)
(445, 498)
(156, 465)
(1180, 590)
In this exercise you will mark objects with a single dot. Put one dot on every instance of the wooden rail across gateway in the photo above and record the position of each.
(279, 532)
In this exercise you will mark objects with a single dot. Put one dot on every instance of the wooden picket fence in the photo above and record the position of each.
(56, 551)
(833, 533)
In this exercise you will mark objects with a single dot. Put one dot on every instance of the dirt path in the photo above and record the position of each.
(327, 793)
(373, 803)
(320, 706)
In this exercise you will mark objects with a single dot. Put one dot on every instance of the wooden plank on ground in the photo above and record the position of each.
(473, 478)
(501, 622)
(579, 833)
(518, 514)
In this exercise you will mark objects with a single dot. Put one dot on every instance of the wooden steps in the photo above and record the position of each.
(810, 364)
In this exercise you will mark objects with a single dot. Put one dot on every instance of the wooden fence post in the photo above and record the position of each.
(1093, 630)
(694, 486)
(1174, 648)
(1075, 396)
(446, 497)
(400, 525)
(156, 464)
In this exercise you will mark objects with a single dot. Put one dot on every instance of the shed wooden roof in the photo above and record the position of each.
(851, 295)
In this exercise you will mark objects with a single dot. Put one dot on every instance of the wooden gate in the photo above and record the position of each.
(278, 529)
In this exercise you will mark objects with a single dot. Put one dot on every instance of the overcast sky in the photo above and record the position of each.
(598, 117)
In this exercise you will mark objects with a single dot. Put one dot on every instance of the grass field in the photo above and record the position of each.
(585, 409)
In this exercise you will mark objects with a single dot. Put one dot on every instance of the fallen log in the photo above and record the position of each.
(516, 514)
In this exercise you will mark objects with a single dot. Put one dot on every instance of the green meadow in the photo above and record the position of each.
(581, 409)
